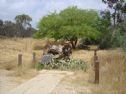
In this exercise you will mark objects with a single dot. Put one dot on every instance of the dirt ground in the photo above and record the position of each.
(74, 84)
(7, 82)
(45, 83)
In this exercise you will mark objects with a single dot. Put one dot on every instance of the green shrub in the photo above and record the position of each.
(90, 41)
(65, 65)
(123, 42)
(119, 40)
(115, 37)
(106, 41)
(39, 66)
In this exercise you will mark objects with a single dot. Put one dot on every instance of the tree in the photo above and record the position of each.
(7, 29)
(1, 27)
(70, 24)
(22, 27)
(119, 10)
(1, 23)
(118, 17)
(23, 24)
(23, 20)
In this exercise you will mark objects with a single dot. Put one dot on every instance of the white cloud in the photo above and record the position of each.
(38, 8)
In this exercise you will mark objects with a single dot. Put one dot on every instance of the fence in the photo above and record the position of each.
(96, 64)
(20, 56)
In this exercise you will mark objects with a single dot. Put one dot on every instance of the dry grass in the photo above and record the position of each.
(11, 47)
(82, 55)
(112, 73)
(39, 44)
(9, 50)
(112, 65)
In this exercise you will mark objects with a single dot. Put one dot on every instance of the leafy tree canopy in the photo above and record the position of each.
(70, 24)
(20, 28)
(23, 20)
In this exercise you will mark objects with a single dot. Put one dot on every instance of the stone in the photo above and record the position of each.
(47, 58)
(55, 50)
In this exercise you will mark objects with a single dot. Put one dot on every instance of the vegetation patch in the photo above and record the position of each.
(64, 65)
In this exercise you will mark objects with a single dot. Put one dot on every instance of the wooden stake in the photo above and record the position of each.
(96, 67)
(19, 60)
(33, 58)
(97, 72)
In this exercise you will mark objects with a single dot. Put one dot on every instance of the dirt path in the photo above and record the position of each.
(8, 82)
(44, 83)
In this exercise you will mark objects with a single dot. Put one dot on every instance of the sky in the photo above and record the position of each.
(39, 8)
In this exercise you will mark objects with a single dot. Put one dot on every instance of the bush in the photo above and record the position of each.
(115, 38)
(89, 41)
(39, 66)
(64, 65)
(106, 41)
(123, 42)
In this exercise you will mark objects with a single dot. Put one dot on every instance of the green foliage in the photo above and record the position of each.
(65, 65)
(69, 23)
(115, 38)
(104, 25)
(23, 20)
(39, 66)
(86, 41)
(106, 41)
(119, 38)
(118, 10)
(124, 42)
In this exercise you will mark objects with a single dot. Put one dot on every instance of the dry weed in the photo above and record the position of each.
(9, 50)
(112, 73)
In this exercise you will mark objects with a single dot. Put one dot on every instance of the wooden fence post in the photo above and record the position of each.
(96, 67)
(33, 58)
(19, 60)
(95, 55)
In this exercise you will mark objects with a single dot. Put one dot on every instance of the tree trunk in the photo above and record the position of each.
(74, 43)
(114, 18)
